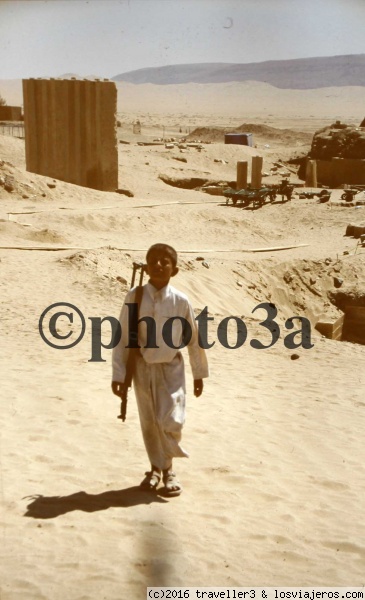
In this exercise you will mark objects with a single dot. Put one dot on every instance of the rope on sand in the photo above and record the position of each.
(211, 250)
(125, 207)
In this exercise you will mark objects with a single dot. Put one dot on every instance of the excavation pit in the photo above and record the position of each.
(350, 327)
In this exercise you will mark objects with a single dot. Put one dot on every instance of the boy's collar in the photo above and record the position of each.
(165, 291)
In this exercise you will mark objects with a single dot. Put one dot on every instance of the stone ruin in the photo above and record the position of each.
(339, 140)
(137, 127)
(11, 113)
(339, 153)
(70, 130)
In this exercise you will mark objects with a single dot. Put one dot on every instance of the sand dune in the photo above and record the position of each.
(198, 104)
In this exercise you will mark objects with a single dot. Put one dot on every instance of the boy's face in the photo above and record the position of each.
(160, 268)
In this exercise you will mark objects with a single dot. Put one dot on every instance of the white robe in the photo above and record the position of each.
(159, 379)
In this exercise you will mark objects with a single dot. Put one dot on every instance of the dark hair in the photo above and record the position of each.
(164, 248)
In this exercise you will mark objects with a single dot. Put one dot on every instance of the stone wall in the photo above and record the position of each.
(340, 171)
(10, 113)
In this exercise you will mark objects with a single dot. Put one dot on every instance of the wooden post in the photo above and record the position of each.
(311, 174)
(242, 169)
(256, 171)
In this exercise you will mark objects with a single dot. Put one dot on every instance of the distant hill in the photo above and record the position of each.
(301, 73)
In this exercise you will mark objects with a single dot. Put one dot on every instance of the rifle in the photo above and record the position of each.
(133, 336)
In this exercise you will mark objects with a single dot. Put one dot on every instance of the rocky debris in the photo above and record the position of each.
(288, 277)
(338, 140)
(122, 280)
(205, 264)
(150, 143)
(8, 183)
(180, 158)
(196, 145)
(13, 181)
(125, 192)
(51, 185)
(187, 183)
(337, 282)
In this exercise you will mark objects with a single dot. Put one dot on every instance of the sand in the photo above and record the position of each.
(274, 488)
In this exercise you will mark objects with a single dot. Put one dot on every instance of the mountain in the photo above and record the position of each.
(300, 73)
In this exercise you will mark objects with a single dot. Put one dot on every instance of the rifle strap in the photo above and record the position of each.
(131, 361)
(138, 297)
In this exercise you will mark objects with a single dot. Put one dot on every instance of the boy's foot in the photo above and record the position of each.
(172, 485)
(151, 480)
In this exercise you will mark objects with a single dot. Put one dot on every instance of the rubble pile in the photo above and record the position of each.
(338, 140)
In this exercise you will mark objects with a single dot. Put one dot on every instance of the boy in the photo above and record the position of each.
(159, 376)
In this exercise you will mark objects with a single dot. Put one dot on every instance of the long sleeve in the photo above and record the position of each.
(160, 306)
(197, 356)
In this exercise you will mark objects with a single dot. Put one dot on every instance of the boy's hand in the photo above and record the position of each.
(198, 387)
(119, 389)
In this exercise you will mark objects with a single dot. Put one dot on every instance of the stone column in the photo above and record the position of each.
(256, 171)
(242, 169)
(30, 125)
(311, 174)
(70, 131)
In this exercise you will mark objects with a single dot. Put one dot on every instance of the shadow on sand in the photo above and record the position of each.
(49, 507)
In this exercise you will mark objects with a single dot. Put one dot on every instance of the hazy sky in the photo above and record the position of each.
(108, 37)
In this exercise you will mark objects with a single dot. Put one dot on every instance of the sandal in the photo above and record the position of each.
(151, 481)
(172, 485)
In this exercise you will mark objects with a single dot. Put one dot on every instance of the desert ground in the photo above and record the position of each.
(274, 486)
